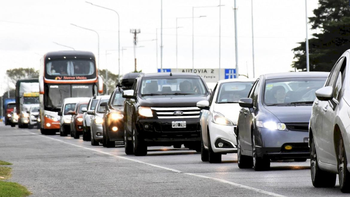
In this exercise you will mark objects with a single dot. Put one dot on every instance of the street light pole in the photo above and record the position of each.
(118, 32)
(98, 41)
(64, 45)
(193, 30)
(176, 27)
(306, 41)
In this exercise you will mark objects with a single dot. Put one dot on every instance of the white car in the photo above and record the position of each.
(34, 118)
(329, 129)
(219, 118)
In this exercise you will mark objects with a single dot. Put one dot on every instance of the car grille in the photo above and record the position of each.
(176, 112)
(303, 127)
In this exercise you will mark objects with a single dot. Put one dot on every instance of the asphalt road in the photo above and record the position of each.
(50, 165)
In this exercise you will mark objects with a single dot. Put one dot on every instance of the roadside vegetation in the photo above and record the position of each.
(10, 188)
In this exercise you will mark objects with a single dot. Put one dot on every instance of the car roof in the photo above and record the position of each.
(236, 80)
(294, 74)
(160, 75)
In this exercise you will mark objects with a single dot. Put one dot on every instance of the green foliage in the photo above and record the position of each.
(5, 163)
(21, 73)
(12, 189)
(109, 79)
(332, 18)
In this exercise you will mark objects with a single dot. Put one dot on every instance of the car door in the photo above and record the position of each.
(245, 121)
(330, 109)
(206, 116)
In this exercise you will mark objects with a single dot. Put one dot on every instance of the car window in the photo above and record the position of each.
(276, 93)
(339, 81)
(118, 100)
(81, 107)
(212, 94)
(69, 107)
(231, 92)
(93, 104)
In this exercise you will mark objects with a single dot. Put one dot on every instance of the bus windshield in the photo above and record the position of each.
(56, 94)
(30, 100)
(70, 69)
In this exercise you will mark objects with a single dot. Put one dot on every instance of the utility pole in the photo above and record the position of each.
(135, 32)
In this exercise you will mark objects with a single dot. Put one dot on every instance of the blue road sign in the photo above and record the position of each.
(230, 73)
(165, 70)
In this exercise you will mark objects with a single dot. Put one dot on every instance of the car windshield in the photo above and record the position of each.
(231, 92)
(292, 91)
(81, 108)
(35, 109)
(69, 107)
(173, 86)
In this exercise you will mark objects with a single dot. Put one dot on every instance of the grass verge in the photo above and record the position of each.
(10, 188)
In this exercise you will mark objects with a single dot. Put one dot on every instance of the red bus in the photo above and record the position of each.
(65, 74)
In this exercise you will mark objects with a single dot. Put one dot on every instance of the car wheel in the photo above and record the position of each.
(93, 141)
(243, 160)
(319, 178)
(204, 153)
(30, 126)
(86, 134)
(212, 157)
(128, 144)
(76, 135)
(344, 174)
(106, 142)
(259, 163)
(43, 131)
(13, 125)
(140, 147)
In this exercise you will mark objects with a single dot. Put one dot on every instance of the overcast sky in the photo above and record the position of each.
(30, 28)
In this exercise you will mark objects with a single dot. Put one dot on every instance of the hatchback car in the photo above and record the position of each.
(76, 125)
(34, 118)
(96, 122)
(113, 124)
(273, 121)
(87, 118)
(219, 118)
(329, 133)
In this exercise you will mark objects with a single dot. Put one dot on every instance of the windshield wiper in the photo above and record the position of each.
(153, 94)
(302, 102)
(179, 93)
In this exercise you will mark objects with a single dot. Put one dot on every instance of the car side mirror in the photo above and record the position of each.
(324, 93)
(91, 112)
(84, 109)
(204, 104)
(246, 102)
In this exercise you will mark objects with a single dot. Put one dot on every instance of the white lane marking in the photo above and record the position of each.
(170, 169)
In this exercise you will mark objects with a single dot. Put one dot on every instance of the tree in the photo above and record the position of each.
(21, 73)
(109, 80)
(332, 18)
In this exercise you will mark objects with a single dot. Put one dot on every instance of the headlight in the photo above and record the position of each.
(271, 125)
(220, 119)
(15, 116)
(50, 117)
(66, 120)
(117, 116)
(9, 115)
(25, 115)
(98, 120)
(145, 111)
(80, 119)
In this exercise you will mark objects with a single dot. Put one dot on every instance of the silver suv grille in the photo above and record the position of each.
(176, 112)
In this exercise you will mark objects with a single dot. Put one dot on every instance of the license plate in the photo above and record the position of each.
(178, 124)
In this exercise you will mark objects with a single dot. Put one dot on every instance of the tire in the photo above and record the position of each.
(243, 161)
(93, 141)
(13, 125)
(259, 163)
(212, 157)
(129, 149)
(30, 126)
(62, 131)
(204, 153)
(86, 135)
(344, 174)
(140, 147)
(319, 177)
(43, 131)
(106, 142)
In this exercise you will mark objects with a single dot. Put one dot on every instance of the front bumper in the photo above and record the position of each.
(222, 138)
(115, 130)
(287, 144)
(161, 131)
(97, 132)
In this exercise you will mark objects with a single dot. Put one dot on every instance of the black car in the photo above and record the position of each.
(113, 125)
(161, 110)
(273, 121)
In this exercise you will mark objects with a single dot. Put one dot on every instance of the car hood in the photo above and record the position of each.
(229, 110)
(291, 113)
(171, 100)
